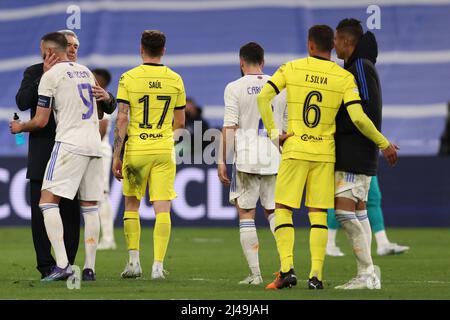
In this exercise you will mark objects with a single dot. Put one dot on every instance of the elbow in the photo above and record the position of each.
(41, 123)
(21, 103)
(122, 121)
(22, 107)
(180, 124)
(356, 122)
(260, 98)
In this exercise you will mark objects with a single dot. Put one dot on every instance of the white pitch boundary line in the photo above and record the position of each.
(224, 59)
(120, 6)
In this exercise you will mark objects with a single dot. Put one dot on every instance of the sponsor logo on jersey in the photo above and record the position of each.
(308, 137)
(145, 136)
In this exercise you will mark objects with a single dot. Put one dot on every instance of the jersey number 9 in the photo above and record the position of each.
(88, 103)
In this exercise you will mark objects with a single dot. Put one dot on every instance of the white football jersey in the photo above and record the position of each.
(254, 152)
(67, 89)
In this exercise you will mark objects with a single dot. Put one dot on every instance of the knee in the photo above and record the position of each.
(131, 215)
(318, 218)
(282, 206)
(343, 216)
(88, 203)
(374, 199)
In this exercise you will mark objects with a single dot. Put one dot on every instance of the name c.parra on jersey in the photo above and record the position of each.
(154, 85)
(254, 89)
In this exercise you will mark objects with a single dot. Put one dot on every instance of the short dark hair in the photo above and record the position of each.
(323, 36)
(252, 53)
(352, 27)
(105, 74)
(153, 42)
(56, 38)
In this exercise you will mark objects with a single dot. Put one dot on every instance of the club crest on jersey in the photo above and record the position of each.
(154, 85)
(308, 137)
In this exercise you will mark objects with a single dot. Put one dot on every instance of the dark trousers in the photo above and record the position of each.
(70, 215)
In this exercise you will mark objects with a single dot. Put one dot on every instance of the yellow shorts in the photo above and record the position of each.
(293, 174)
(156, 170)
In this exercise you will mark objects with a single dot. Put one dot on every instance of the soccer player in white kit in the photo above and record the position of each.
(75, 164)
(106, 214)
(255, 157)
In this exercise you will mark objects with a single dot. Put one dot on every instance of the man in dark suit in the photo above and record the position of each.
(39, 149)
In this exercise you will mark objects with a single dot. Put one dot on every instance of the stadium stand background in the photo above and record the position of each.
(203, 42)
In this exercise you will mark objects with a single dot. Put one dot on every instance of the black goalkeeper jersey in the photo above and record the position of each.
(354, 152)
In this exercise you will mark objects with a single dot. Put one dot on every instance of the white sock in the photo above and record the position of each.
(134, 256)
(331, 237)
(364, 220)
(158, 265)
(271, 218)
(381, 238)
(357, 237)
(91, 234)
(106, 220)
(55, 232)
(250, 244)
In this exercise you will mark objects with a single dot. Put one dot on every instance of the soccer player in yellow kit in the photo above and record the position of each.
(316, 89)
(150, 97)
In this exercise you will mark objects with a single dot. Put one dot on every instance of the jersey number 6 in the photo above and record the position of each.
(308, 107)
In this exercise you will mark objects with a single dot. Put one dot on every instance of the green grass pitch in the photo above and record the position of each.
(207, 263)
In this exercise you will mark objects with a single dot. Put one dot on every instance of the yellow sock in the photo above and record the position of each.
(284, 235)
(161, 235)
(132, 229)
(318, 242)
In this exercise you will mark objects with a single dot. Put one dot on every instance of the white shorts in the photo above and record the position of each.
(68, 173)
(352, 186)
(247, 188)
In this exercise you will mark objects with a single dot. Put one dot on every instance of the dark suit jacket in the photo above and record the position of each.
(41, 142)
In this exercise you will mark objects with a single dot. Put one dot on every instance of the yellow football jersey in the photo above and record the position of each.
(315, 88)
(152, 91)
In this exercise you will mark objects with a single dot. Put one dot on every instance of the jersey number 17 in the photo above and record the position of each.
(145, 100)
